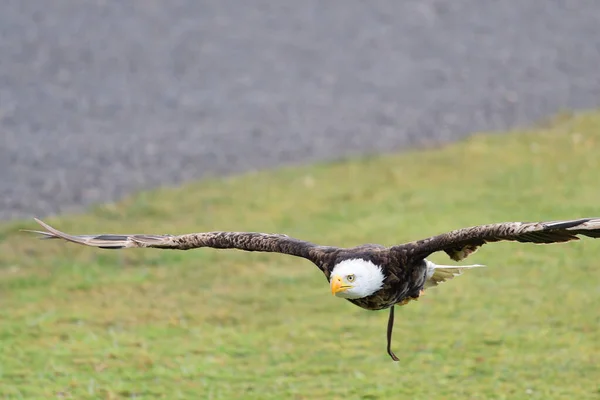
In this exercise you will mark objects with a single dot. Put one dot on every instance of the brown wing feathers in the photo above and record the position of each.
(460, 243)
(104, 241)
(248, 241)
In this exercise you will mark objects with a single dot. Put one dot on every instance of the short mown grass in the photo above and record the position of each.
(208, 324)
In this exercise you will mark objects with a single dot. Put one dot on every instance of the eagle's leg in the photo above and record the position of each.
(390, 327)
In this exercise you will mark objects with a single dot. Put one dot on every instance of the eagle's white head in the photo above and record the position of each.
(355, 278)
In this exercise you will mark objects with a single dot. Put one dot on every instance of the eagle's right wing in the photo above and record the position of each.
(248, 241)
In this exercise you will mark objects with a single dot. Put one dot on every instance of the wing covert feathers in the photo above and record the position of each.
(248, 241)
(460, 243)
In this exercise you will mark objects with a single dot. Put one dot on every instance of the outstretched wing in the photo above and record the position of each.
(248, 241)
(459, 244)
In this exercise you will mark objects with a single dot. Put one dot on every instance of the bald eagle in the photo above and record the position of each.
(370, 276)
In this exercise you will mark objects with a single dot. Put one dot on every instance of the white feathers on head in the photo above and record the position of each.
(368, 277)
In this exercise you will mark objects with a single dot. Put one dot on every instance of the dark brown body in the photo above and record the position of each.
(404, 277)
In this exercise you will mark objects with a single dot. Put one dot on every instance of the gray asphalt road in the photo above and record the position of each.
(101, 98)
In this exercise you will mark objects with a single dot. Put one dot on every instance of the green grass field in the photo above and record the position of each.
(206, 324)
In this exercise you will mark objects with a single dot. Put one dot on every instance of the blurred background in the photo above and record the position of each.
(101, 98)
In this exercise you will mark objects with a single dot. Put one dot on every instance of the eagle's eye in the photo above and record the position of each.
(350, 278)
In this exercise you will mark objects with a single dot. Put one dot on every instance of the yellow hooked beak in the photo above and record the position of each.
(337, 285)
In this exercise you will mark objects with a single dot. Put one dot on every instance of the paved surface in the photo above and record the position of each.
(101, 98)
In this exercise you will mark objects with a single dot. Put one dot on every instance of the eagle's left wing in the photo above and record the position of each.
(458, 244)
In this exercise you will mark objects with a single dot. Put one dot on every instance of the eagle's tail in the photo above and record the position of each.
(437, 274)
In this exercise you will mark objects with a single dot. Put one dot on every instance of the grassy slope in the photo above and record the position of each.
(85, 323)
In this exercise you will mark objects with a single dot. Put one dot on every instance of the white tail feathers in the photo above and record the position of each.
(437, 274)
